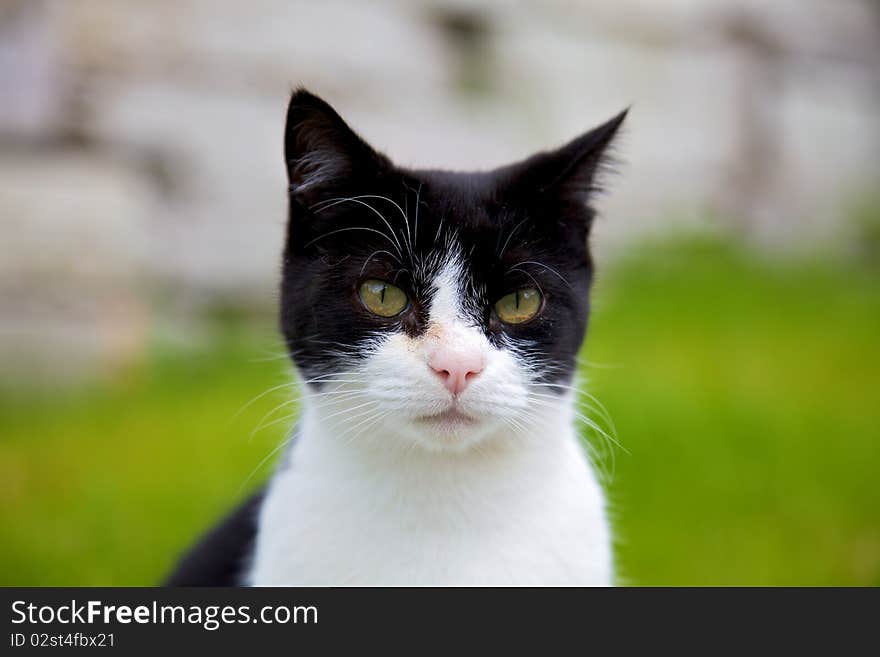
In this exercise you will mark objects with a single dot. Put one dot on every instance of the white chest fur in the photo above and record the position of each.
(526, 513)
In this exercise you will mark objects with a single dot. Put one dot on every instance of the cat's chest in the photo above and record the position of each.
(336, 525)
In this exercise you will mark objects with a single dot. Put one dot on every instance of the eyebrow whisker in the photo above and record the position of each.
(547, 267)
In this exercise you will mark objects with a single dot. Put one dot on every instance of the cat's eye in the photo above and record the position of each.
(520, 306)
(383, 299)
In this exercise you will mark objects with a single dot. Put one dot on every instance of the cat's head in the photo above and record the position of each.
(434, 308)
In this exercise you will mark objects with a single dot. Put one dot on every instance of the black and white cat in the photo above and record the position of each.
(435, 318)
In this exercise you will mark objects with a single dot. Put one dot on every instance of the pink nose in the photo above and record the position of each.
(456, 369)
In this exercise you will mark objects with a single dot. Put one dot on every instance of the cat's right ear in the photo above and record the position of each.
(324, 157)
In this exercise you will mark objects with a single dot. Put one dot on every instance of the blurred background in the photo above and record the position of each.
(736, 317)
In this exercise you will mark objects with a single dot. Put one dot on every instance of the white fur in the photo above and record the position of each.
(374, 494)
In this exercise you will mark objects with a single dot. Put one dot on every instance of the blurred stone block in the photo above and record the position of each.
(71, 262)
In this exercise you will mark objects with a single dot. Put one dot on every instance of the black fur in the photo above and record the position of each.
(354, 215)
(222, 555)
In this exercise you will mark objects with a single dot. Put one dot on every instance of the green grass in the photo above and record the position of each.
(745, 394)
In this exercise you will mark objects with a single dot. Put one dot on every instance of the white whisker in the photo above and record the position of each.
(547, 267)
(507, 241)
(342, 230)
(367, 205)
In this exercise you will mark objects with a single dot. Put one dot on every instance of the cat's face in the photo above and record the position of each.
(434, 308)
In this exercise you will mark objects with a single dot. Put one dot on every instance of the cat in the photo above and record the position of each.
(435, 319)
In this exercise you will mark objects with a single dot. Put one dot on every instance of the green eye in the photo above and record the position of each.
(520, 306)
(383, 299)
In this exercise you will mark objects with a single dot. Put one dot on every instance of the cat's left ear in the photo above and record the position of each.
(324, 157)
(570, 173)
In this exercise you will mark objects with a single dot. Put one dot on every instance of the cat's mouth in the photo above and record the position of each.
(450, 420)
